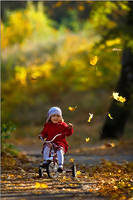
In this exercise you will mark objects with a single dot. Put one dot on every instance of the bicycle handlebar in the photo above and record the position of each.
(50, 140)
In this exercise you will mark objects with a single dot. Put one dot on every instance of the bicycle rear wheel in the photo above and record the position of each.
(74, 173)
(51, 170)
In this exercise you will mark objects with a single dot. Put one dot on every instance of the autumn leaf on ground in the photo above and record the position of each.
(93, 60)
(72, 108)
(78, 172)
(90, 117)
(71, 160)
(87, 139)
(40, 185)
(109, 115)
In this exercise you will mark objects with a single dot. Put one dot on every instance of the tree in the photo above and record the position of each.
(115, 128)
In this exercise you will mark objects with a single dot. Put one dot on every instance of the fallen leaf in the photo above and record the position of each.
(78, 172)
(71, 160)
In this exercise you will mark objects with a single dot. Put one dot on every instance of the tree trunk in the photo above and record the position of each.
(120, 111)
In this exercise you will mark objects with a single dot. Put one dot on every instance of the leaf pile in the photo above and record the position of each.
(108, 179)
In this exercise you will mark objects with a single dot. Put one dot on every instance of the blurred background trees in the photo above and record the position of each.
(47, 49)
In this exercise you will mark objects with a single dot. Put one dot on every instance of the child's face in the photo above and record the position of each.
(55, 118)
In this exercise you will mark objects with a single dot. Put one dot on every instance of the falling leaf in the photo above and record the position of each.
(110, 116)
(71, 160)
(87, 139)
(122, 99)
(78, 172)
(72, 108)
(93, 60)
(118, 98)
(116, 95)
(90, 117)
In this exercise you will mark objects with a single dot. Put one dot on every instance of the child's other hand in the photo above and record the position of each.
(70, 125)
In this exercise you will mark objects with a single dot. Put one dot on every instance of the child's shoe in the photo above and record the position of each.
(60, 169)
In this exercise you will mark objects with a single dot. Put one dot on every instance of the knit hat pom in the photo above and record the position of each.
(54, 111)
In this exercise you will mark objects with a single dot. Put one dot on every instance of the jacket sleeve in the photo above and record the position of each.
(68, 130)
(44, 132)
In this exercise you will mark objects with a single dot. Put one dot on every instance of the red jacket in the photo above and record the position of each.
(50, 130)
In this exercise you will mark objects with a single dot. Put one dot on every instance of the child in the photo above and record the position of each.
(55, 125)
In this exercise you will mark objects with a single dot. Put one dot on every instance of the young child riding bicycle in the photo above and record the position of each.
(55, 125)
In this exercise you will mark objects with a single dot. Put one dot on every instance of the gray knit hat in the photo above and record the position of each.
(53, 111)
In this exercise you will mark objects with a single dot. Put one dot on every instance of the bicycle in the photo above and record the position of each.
(52, 166)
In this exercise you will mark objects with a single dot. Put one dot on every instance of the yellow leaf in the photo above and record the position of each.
(72, 108)
(71, 160)
(64, 177)
(43, 185)
(118, 98)
(40, 185)
(115, 187)
(87, 139)
(93, 60)
(37, 185)
(116, 95)
(122, 99)
(78, 172)
(90, 117)
(110, 116)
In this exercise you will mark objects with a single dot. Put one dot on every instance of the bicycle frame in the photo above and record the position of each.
(53, 155)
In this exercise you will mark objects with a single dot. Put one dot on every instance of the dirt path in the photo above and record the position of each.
(23, 183)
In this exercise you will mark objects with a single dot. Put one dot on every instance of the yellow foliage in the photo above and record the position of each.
(93, 60)
(22, 25)
(21, 74)
(18, 29)
(43, 70)
(113, 42)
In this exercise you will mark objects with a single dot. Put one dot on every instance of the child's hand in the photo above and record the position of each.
(70, 125)
(39, 137)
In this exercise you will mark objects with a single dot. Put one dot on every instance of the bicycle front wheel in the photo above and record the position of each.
(52, 170)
